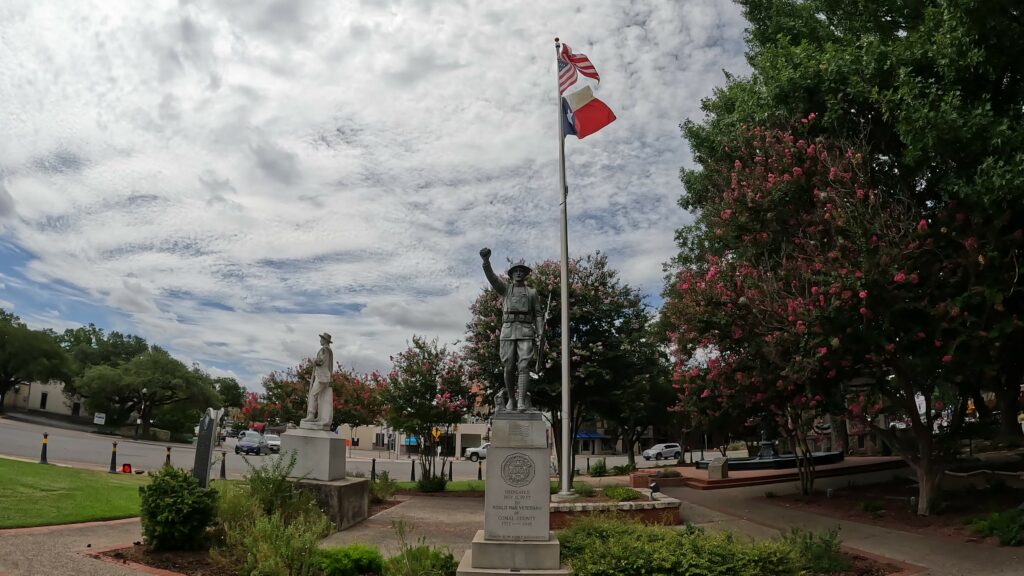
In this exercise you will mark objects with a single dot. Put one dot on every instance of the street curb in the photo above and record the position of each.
(98, 554)
(56, 527)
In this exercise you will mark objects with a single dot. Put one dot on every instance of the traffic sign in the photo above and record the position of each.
(436, 433)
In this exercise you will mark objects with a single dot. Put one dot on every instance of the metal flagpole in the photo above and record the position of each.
(564, 192)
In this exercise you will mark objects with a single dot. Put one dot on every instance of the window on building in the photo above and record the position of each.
(42, 400)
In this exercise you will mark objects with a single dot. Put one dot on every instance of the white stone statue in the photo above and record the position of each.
(320, 405)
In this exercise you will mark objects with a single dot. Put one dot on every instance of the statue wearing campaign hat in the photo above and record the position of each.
(320, 404)
(521, 327)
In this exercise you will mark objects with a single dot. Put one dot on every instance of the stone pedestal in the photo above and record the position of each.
(718, 469)
(345, 502)
(516, 538)
(320, 454)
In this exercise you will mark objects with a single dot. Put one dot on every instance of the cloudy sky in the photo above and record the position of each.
(230, 178)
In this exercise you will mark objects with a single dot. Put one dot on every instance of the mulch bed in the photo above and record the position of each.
(382, 506)
(888, 505)
(193, 563)
(862, 566)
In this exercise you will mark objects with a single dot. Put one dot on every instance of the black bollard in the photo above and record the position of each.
(588, 466)
(224, 465)
(479, 469)
(113, 459)
(167, 459)
(42, 455)
(373, 469)
(412, 471)
(449, 470)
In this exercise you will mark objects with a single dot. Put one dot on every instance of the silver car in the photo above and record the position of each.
(659, 451)
(273, 442)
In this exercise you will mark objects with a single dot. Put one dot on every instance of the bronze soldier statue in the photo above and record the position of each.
(521, 328)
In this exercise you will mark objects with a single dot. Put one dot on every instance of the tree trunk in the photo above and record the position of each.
(3, 398)
(630, 456)
(1008, 397)
(929, 479)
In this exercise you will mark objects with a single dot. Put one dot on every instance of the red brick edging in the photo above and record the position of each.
(99, 554)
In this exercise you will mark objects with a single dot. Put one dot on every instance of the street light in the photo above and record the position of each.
(142, 413)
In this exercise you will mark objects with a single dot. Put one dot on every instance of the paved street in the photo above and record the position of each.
(86, 449)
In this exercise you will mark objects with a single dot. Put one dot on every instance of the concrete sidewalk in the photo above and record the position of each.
(58, 550)
(747, 511)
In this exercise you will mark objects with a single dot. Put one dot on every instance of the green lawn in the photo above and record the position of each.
(39, 495)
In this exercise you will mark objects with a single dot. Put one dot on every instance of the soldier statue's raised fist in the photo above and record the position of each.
(485, 253)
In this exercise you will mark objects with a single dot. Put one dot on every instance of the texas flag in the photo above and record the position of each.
(583, 114)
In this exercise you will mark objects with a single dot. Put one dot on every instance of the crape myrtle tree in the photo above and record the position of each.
(28, 356)
(428, 387)
(799, 278)
(931, 94)
(356, 398)
(610, 342)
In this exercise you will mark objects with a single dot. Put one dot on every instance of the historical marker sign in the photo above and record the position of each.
(204, 446)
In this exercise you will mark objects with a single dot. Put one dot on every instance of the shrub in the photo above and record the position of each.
(623, 469)
(419, 559)
(583, 489)
(383, 488)
(599, 468)
(609, 546)
(176, 510)
(431, 484)
(872, 507)
(1007, 526)
(267, 525)
(621, 493)
(669, 474)
(351, 560)
(276, 546)
(817, 553)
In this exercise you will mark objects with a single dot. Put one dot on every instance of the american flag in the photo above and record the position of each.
(569, 64)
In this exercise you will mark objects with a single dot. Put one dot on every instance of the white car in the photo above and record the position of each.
(659, 451)
(273, 442)
(479, 453)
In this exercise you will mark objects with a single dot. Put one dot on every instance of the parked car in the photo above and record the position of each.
(273, 442)
(252, 443)
(478, 453)
(245, 433)
(659, 451)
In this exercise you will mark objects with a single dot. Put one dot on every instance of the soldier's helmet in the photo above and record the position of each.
(520, 265)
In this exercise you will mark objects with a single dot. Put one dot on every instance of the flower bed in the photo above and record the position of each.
(662, 510)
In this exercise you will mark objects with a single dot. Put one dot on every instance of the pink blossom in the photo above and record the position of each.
(947, 359)
(899, 277)
(726, 213)
(705, 393)
(797, 171)
(863, 294)
(863, 311)
(922, 225)
(822, 350)
(913, 279)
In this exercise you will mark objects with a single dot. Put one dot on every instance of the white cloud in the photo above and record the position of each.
(229, 179)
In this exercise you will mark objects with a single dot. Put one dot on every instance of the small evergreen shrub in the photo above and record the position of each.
(817, 553)
(351, 560)
(432, 484)
(623, 469)
(583, 489)
(176, 510)
(621, 493)
(383, 488)
(610, 546)
(276, 546)
(669, 474)
(419, 559)
(1007, 526)
(599, 468)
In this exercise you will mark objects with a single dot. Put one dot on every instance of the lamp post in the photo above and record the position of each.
(142, 413)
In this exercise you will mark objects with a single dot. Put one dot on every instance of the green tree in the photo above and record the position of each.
(932, 94)
(149, 382)
(89, 346)
(27, 356)
(232, 394)
(609, 340)
(427, 388)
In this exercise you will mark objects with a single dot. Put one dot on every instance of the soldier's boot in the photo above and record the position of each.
(499, 401)
(510, 380)
(522, 395)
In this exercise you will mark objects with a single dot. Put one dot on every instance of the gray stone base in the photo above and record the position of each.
(466, 569)
(320, 455)
(516, 555)
(346, 502)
